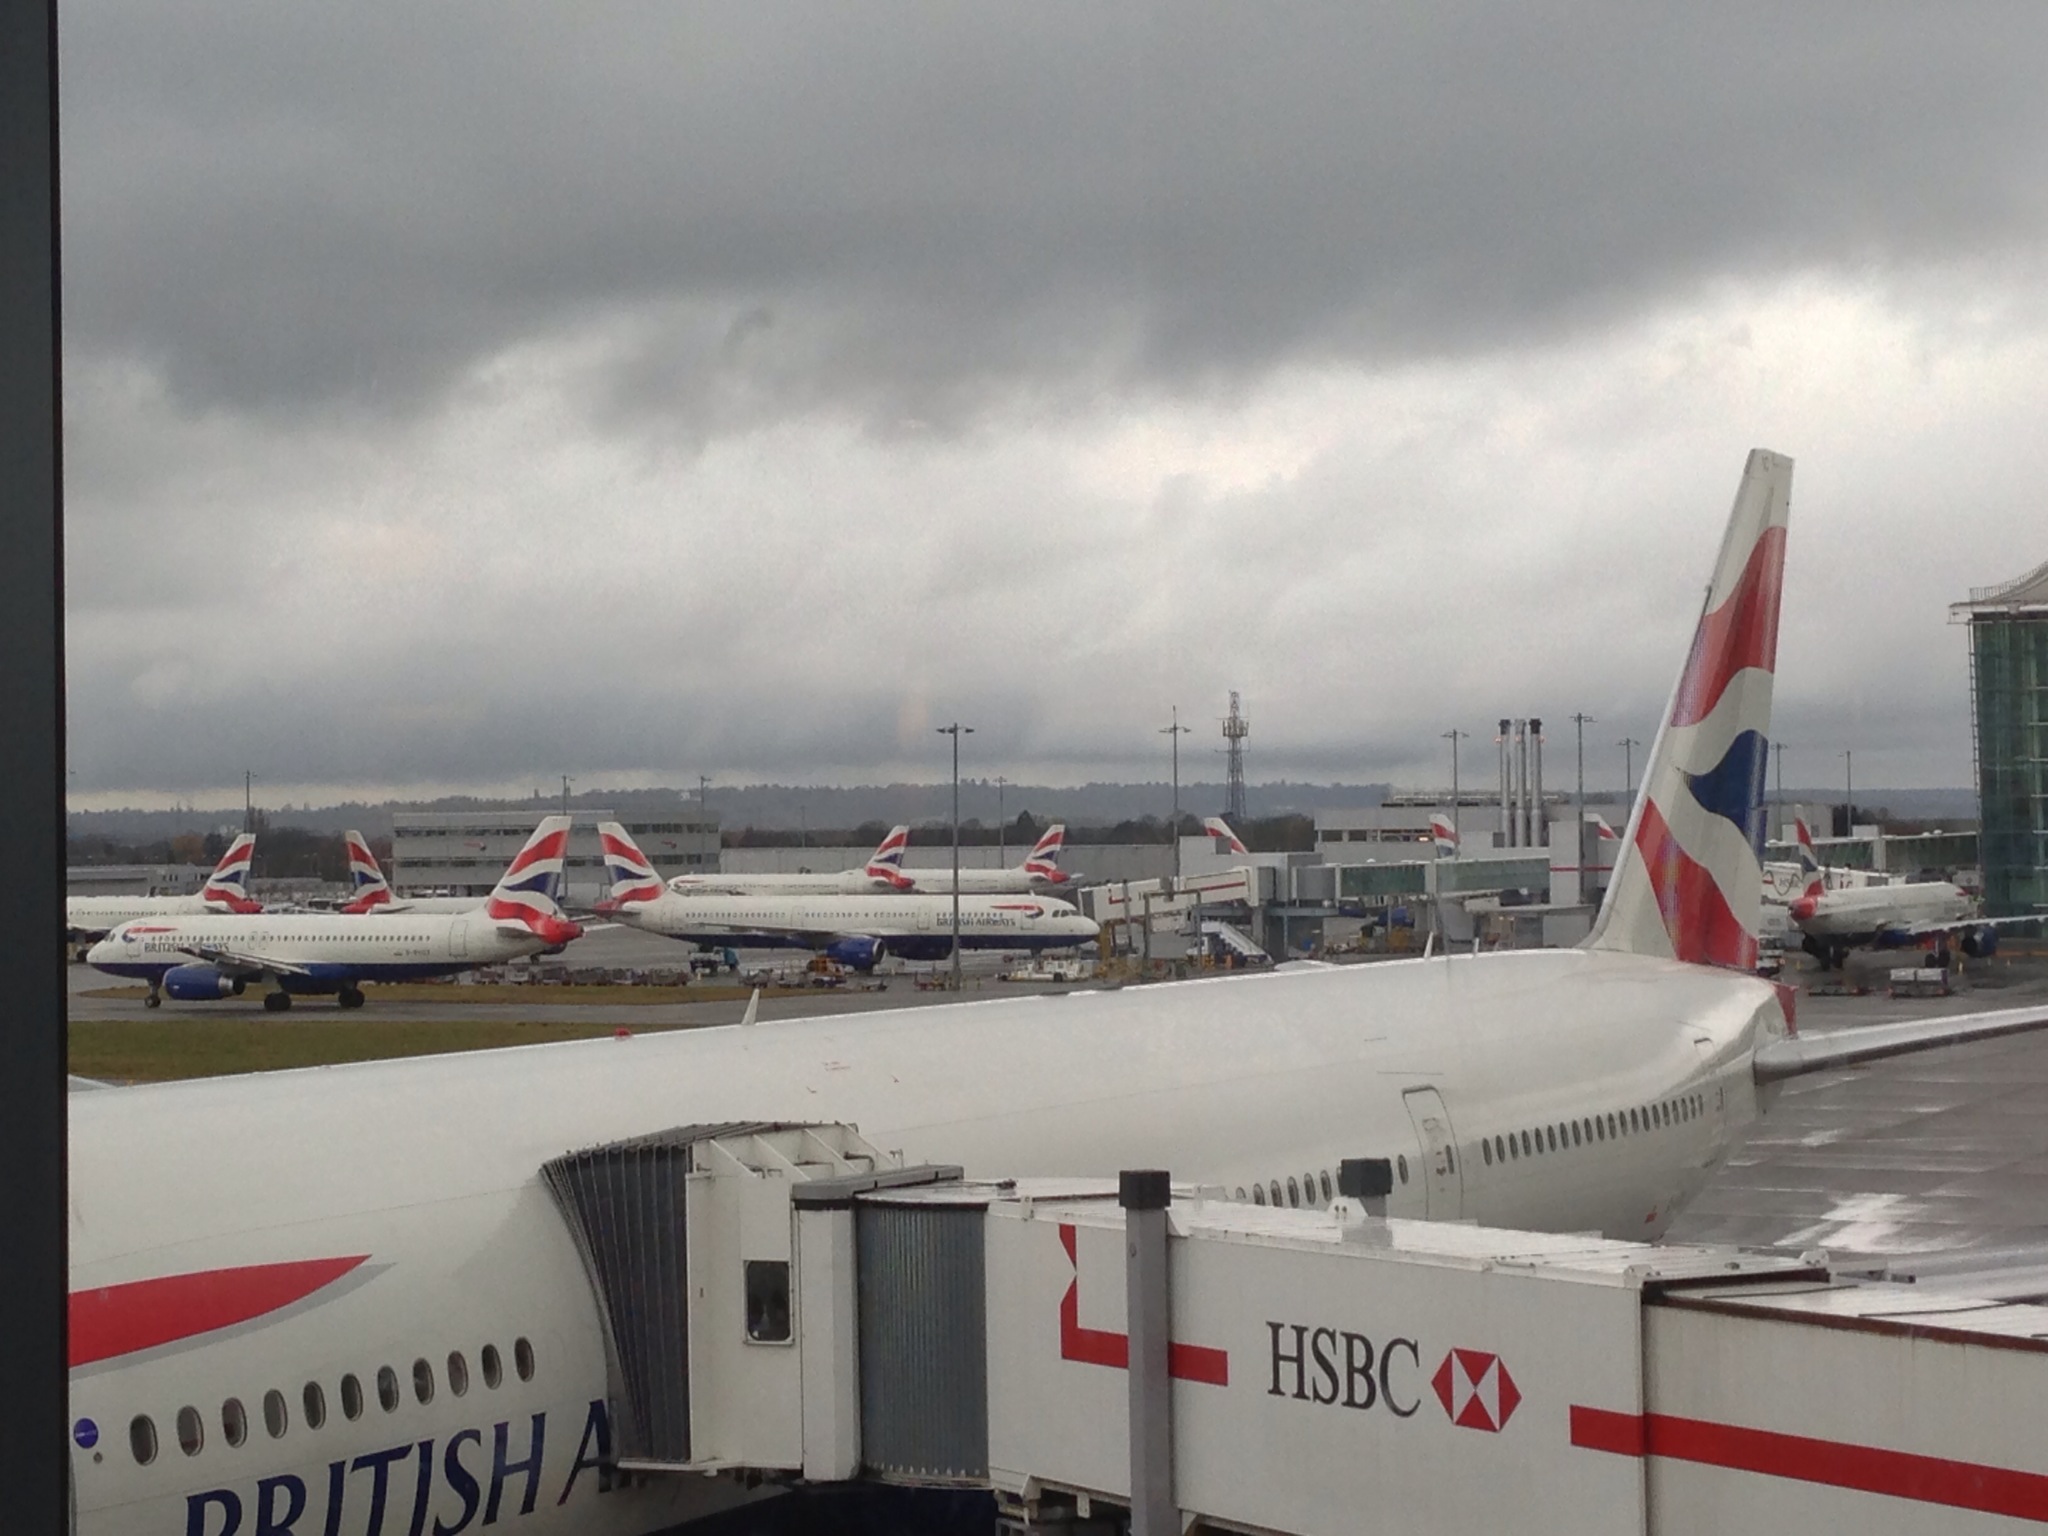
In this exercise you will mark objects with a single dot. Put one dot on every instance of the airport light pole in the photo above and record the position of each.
(1452, 736)
(1849, 793)
(1582, 721)
(956, 730)
(1628, 745)
(1173, 733)
(1002, 832)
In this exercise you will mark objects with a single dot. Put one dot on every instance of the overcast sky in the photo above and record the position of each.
(460, 395)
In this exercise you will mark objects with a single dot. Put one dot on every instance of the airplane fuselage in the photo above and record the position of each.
(93, 917)
(914, 926)
(1859, 914)
(1618, 1083)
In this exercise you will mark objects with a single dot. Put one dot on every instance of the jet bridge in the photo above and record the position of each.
(785, 1303)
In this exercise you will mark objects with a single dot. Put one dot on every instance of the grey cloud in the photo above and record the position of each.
(909, 210)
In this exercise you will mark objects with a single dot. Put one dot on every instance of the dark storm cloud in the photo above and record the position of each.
(910, 210)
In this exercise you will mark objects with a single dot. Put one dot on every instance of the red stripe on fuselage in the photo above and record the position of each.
(116, 1320)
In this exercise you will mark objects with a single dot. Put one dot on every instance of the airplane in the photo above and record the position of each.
(1227, 841)
(1039, 871)
(373, 893)
(1834, 919)
(202, 959)
(342, 1299)
(856, 931)
(882, 872)
(91, 918)
(1444, 835)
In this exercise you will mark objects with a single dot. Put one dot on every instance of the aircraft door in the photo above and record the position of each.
(458, 939)
(1443, 1185)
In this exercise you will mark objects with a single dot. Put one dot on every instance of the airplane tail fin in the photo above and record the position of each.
(1809, 862)
(228, 886)
(634, 881)
(885, 864)
(1444, 834)
(369, 888)
(1688, 881)
(1043, 863)
(528, 894)
(1219, 829)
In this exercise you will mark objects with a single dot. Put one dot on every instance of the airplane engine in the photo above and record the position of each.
(199, 984)
(861, 954)
(1980, 943)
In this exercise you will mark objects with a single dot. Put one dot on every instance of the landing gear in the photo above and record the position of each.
(153, 999)
(276, 1002)
(350, 997)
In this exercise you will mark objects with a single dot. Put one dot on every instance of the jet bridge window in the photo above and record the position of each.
(767, 1287)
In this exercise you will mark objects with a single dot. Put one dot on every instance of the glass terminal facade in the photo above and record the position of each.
(2009, 720)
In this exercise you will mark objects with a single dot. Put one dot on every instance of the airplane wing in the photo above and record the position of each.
(1797, 1055)
(1957, 924)
(243, 962)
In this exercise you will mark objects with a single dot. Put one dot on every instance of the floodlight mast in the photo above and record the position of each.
(1173, 733)
(956, 730)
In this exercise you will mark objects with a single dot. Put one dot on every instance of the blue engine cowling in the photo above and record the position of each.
(1980, 943)
(199, 984)
(860, 953)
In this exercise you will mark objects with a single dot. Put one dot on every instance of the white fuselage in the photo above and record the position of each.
(918, 922)
(845, 882)
(428, 1172)
(96, 916)
(1853, 912)
(317, 951)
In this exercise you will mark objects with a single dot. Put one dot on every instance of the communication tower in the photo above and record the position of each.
(1235, 729)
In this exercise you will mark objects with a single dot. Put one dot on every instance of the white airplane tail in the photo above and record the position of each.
(369, 889)
(1219, 829)
(1444, 835)
(1810, 869)
(528, 894)
(885, 864)
(634, 881)
(1044, 860)
(228, 886)
(1688, 880)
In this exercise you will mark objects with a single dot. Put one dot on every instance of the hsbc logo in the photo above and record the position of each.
(1334, 1367)
(1476, 1390)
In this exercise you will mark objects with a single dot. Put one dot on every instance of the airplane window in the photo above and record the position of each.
(387, 1388)
(1308, 1188)
(1450, 1159)
(1573, 1127)
(1326, 1186)
(1293, 1193)
(314, 1402)
(458, 1373)
(1526, 1150)
(493, 1371)
(423, 1380)
(1401, 1166)
(1599, 1128)
(275, 1419)
(1273, 1188)
(1486, 1151)
(234, 1421)
(1258, 1194)
(1614, 1127)
(142, 1439)
(351, 1398)
(191, 1431)
(1500, 1150)
(1551, 1132)
(522, 1359)
(1634, 1124)
(1514, 1151)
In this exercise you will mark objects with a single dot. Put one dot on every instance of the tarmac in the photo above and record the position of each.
(1932, 1167)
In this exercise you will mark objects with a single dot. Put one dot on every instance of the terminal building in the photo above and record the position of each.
(462, 853)
(2009, 725)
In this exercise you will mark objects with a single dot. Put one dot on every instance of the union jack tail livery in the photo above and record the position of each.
(528, 894)
(633, 880)
(1688, 881)
(371, 889)
(1219, 829)
(227, 888)
(1044, 860)
(1809, 862)
(1444, 835)
(885, 864)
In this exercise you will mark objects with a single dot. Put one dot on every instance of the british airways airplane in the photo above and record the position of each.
(226, 890)
(370, 892)
(201, 959)
(341, 1301)
(853, 930)
(882, 872)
